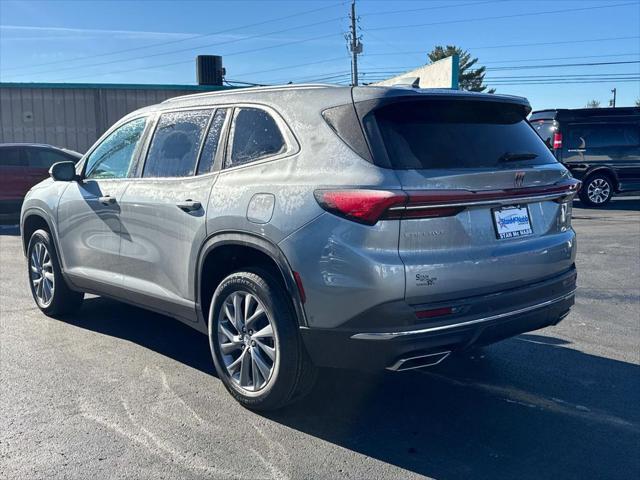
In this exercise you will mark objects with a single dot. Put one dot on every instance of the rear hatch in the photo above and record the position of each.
(487, 205)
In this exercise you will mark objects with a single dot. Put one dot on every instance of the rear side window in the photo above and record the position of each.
(10, 157)
(43, 158)
(583, 136)
(212, 141)
(175, 145)
(456, 135)
(255, 135)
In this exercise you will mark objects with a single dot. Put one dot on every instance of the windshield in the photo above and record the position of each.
(440, 134)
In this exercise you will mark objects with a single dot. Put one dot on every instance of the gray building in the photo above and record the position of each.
(75, 115)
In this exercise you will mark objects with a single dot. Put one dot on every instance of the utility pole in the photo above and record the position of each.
(612, 102)
(355, 46)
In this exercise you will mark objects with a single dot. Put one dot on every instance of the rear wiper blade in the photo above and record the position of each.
(515, 156)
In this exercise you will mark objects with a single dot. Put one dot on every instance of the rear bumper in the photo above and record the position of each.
(396, 349)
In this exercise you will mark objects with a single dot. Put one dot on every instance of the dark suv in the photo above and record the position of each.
(22, 165)
(600, 146)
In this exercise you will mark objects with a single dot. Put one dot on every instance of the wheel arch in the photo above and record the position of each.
(603, 170)
(32, 220)
(224, 245)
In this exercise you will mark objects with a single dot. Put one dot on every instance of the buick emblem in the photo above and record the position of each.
(519, 179)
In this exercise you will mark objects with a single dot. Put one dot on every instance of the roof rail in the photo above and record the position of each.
(266, 88)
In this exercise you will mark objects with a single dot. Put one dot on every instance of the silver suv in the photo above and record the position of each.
(313, 225)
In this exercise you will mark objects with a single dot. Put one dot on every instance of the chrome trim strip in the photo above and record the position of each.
(398, 365)
(499, 201)
(391, 335)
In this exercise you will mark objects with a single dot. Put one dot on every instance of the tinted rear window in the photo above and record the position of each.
(10, 157)
(456, 134)
(545, 129)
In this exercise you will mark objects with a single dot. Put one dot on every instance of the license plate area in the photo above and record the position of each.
(513, 221)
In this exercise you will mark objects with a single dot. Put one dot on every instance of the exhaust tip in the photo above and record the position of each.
(419, 361)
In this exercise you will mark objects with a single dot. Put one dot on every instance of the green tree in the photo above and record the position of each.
(593, 104)
(471, 76)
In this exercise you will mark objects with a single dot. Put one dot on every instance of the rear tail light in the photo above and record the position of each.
(369, 206)
(362, 206)
(557, 140)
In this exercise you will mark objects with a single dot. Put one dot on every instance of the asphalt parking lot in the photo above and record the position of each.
(117, 392)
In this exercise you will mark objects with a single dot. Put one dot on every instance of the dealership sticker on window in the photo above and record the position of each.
(512, 222)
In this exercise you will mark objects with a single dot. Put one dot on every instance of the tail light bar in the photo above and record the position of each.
(369, 206)
(557, 140)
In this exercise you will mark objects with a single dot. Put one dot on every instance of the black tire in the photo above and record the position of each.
(597, 190)
(63, 300)
(292, 375)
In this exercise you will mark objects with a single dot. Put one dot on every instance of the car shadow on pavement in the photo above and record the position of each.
(529, 407)
(156, 332)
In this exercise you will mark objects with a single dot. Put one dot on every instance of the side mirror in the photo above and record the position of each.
(63, 171)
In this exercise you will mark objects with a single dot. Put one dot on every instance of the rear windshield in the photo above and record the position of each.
(457, 134)
(546, 129)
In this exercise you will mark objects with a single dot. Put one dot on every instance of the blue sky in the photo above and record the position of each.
(155, 41)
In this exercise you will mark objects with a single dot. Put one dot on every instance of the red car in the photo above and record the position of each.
(22, 165)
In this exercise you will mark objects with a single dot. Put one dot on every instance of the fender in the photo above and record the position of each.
(604, 169)
(42, 214)
(265, 246)
(581, 170)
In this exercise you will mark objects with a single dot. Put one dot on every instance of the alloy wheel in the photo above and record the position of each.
(598, 190)
(41, 273)
(248, 345)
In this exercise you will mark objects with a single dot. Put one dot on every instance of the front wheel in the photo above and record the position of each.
(256, 348)
(48, 287)
(596, 191)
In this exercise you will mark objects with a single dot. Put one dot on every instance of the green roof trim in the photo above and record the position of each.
(121, 86)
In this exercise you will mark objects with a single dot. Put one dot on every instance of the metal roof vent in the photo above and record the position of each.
(209, 70)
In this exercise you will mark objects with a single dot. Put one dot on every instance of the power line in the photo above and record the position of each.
(110, 62)
(514, 45)
(170, 42)
(606, 55)
(602, 75)
(571, 82)
(241, 52)
(562, 65)
(437, 7)
(527, 67)
(499, 17)
(487, 64)
(288, 67)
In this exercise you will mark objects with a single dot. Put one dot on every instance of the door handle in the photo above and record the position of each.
(189, 205)
(107, 200)
(579, 150)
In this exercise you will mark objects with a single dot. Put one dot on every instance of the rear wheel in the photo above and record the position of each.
(49, 289)
(256, 348)
(597, 190)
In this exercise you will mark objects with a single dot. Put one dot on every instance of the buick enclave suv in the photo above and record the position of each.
(312, 225)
